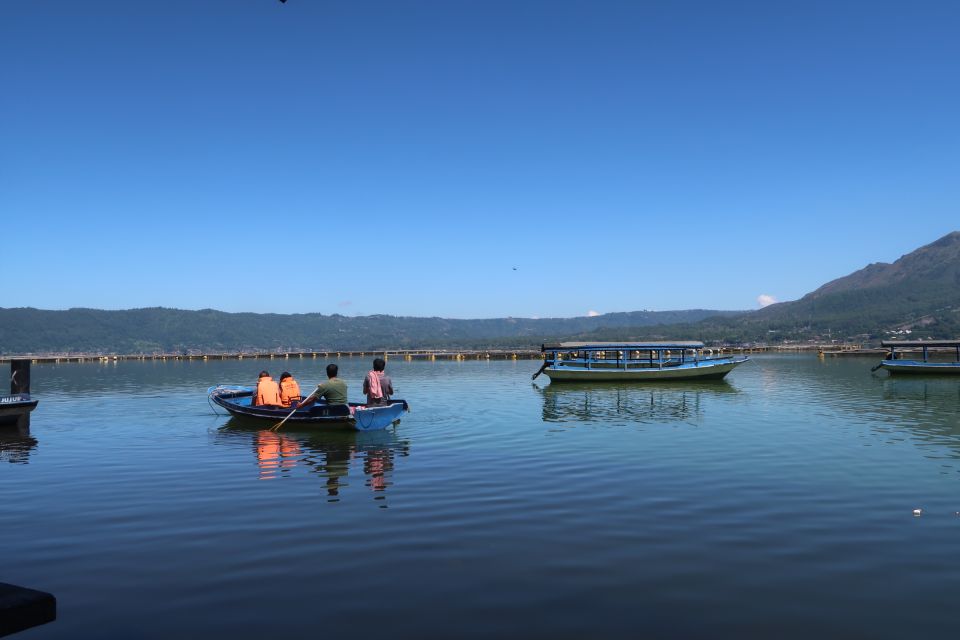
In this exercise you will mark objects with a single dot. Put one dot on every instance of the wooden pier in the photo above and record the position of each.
(402, 354)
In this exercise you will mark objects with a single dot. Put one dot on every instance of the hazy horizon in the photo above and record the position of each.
(507, 317)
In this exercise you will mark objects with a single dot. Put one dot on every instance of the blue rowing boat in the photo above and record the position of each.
(634, 361)
(355, 415)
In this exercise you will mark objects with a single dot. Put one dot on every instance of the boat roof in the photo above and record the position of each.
(920, 343)
(620, 346)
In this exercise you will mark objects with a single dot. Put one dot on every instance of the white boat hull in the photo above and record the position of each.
(703, 370)
(915, 367)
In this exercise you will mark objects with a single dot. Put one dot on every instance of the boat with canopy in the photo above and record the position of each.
(925, 366)
(577, 361)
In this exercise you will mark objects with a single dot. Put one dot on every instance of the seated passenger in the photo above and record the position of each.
(377, 384)
(334, 390)
(267, 392)
(289, 390)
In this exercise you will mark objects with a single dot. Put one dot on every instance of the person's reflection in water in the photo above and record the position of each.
(331, 455)
(275, 451)
(376, 457)
(335, 467)
(377, 463)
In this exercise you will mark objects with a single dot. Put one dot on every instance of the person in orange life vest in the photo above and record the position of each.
(377, 385)
(268, 391)
(289, 390)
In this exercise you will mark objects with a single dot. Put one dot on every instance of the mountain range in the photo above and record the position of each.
(918, 295)
(160, 330)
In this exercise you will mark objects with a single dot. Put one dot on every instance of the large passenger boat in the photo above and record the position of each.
(574, 361)
(927, 367)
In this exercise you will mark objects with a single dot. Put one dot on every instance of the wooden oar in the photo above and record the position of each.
(299, 404)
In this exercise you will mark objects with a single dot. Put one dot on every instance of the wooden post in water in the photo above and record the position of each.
(17, 407)
(19, 376)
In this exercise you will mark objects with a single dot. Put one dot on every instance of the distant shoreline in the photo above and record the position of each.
(412, 354)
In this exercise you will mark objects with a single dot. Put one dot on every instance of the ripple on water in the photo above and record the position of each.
(778, 502)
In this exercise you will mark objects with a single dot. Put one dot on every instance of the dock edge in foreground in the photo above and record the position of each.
(22, 608)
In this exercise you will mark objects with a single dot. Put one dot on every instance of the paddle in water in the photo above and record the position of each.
(299, 404)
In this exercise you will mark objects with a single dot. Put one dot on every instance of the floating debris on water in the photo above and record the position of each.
(918, 512)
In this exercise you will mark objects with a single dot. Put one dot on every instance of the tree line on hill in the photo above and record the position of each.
(159, 330)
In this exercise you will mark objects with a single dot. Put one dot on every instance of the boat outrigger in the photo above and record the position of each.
(896, 366)
(572, 361)
(355, 415)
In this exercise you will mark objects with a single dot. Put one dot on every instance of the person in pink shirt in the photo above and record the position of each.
(377, 385)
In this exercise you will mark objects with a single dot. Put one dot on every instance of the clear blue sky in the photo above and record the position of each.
(468, 159)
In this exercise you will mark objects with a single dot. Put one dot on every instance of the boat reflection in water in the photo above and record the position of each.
(621, 403)
(16, 443)
(330, 454)
(939, 391)
(927, 408)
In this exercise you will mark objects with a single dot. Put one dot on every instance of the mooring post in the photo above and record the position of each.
(19, 377)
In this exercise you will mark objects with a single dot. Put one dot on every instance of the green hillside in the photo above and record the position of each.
(919, 294)
(154, 330)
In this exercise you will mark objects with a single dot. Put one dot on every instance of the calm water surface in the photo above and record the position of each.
(776, 503)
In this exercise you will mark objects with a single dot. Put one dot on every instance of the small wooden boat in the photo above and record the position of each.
(634, 361)
(924, 367)
(355, 415)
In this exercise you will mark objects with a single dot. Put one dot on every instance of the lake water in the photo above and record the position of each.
(777, 503)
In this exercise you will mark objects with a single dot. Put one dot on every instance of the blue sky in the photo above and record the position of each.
(468, 159)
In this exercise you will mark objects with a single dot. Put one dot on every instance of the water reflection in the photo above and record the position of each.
(16, 444)
(925, 411)
(928, 408)
(331, 455)
(274, 452)
(625, 402)
(923, 389)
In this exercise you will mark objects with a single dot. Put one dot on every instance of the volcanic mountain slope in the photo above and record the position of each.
(920, 292)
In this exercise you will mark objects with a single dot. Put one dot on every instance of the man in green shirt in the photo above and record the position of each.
(334, 390)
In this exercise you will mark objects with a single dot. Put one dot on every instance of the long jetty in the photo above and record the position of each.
(406, 354)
